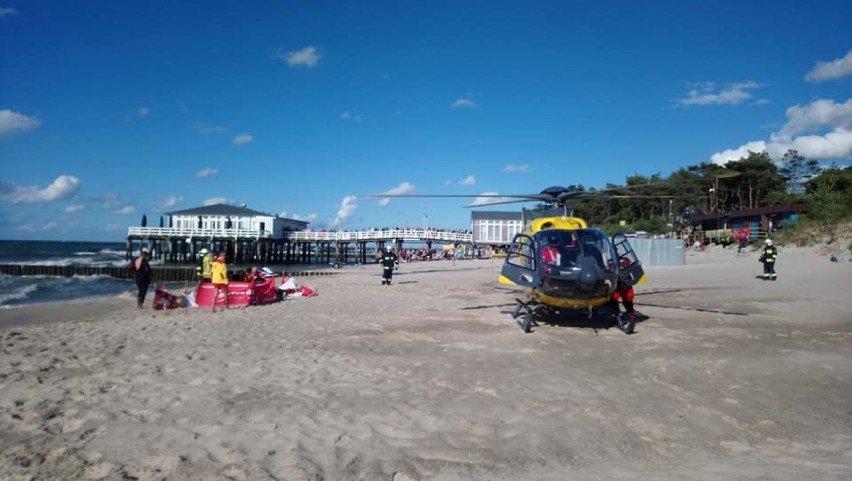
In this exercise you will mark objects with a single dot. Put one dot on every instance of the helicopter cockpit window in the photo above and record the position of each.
(558, 247)
(596, 245)
(521, 253)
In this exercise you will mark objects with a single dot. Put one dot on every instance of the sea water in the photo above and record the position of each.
(22, 290)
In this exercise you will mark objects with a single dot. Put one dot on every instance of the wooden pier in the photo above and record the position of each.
(257, 247)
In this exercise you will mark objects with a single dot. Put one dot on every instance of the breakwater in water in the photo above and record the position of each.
(160, 273)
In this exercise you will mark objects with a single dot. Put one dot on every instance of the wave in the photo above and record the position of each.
(15, 290)
(18, 294)
(73, 261)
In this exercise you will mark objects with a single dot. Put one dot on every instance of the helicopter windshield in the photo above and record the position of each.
(558, 247)
(597, 246)
(565, 247)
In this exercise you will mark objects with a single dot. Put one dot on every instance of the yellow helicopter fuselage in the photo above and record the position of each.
(557, 223)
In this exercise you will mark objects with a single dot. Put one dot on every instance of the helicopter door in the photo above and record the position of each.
(630, 270)
(521, 266)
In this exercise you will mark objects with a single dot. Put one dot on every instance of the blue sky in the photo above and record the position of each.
(112, 110)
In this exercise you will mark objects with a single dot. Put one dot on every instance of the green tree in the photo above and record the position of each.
(830, 195)
(758, 178)
(796, 171)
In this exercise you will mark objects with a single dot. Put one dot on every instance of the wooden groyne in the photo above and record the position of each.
(160, 273)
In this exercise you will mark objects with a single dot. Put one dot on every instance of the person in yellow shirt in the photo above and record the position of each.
(219, 277)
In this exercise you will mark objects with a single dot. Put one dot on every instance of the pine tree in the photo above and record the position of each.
(796, 171)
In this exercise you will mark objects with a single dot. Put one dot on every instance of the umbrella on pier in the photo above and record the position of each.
(199, 222)
(161, 221)
(144, 220)
(228, 224)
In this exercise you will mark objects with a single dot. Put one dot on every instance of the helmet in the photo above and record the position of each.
(203, 251)
(769, 242)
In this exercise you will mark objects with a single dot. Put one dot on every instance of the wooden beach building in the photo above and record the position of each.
(246, 235)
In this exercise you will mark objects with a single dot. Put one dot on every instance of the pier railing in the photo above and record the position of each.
(383, 235)
(197, 232)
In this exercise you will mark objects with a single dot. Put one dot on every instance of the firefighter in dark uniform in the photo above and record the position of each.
(389, 261)
(769, 256)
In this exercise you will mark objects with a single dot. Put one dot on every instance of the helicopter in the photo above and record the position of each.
(561, 262)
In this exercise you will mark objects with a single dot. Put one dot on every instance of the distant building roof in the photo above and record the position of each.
(220, 209)
(495, 215)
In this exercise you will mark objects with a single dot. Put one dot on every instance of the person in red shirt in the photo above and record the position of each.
(625, 294)
(550, 247)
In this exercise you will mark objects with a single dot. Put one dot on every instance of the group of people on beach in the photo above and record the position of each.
(210, 269)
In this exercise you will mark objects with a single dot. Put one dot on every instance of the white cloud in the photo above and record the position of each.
(218, 200)
(206, 172)
(835, 69)
(62, 187)
(205, 129)
(831, 146)
(469, 180)
(109, 201)
(350, 117)
(815, 115)
(706, 94)
(243, 139)
(516, 168)
(820, 130)
(487, 198)
(74, 208)
(168, 203)
(307, 218)
(402, 189)
(51, 225)
(464, 103)
(307, 57)
(139, 113)
(722, 158)
(126, 210)
(13, 121)
(346, 209)
(5, 12)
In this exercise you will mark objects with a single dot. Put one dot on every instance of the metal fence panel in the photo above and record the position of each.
(659, 252)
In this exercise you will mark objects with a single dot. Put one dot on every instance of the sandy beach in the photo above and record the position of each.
(730, 377)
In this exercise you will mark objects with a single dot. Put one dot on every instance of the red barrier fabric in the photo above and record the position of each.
(239, 293)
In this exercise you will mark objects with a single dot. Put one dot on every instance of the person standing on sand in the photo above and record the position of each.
(203, 269)
(142, 274)
(389, 261)
(219, 277)
(769, 256)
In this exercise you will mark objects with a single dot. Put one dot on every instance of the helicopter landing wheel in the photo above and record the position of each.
(517, 311)
(526, 322)
(626, 324)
